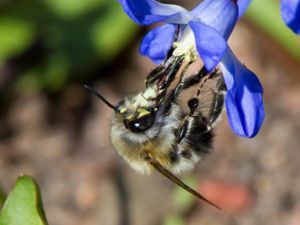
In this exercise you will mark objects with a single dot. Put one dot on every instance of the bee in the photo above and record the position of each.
(151, 131)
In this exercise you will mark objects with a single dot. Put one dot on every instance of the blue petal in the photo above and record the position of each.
(243, 5)
(146, 12)
(158, 42)
(244, 98)
(219, 14)
(209, 43)
(290, 13)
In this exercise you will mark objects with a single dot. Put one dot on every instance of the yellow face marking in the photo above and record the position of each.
(123, 109)
(142, 112)
(130, 117)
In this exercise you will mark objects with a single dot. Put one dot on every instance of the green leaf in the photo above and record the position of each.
(266, 15)
(174, 220)
(51, 74)
(70, 9)
(16, 36)
(23, 205)
(183, 200)
(69, 39)
(2, 197)
(112, 32)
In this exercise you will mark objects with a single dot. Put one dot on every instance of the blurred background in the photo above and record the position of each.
(53, 130)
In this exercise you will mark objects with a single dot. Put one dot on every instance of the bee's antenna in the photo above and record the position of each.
(101, 97)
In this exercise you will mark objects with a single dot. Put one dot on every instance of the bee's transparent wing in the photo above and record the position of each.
(211, 98)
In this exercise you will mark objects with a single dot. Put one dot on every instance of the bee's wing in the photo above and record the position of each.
(177, 181)
(211, 98)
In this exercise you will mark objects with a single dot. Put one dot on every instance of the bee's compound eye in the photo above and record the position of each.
(141, 124)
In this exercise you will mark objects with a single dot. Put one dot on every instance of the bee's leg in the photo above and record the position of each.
(193, 140)
(194, 79)
(170, 52)
(217, 104)
(216, 108)
(181, 85)
(186, 83)
(188, 120)
(164, 74)
(168, 69)
(156, 74)
(171, 72)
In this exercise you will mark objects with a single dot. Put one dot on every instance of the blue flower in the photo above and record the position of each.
(204, 31)
(290, 13)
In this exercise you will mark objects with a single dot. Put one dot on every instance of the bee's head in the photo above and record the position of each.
(136, 112)
(139, 120)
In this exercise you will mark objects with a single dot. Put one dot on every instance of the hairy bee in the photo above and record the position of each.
(151, 131)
